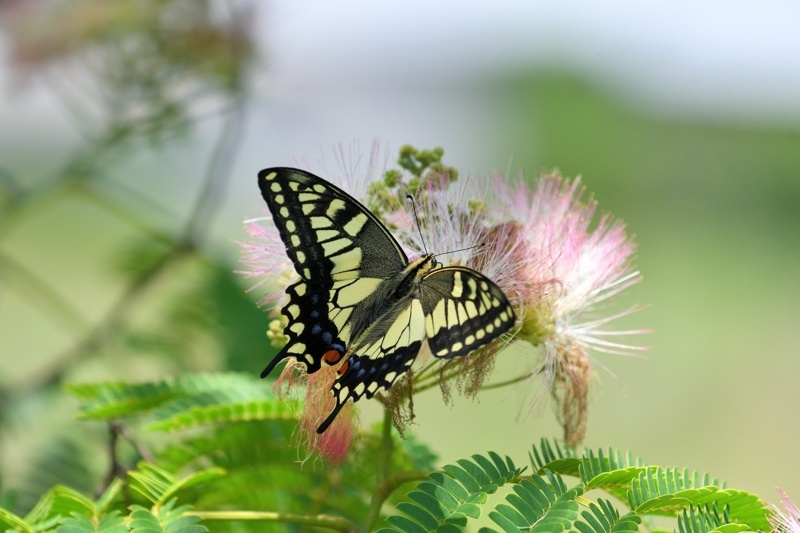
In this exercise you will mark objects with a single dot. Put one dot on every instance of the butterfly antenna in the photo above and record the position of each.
(416, 218)
(480, 245)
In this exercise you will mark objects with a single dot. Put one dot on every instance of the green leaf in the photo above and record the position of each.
(671, 490)
(77, 523)
(602, 517)
(108, 401)
(616, 478)
(445, 501)
(538, 504)
(593, 466)
(159, 485)
(214, 408)
(550, 456)
(11, 521)
(166, 519)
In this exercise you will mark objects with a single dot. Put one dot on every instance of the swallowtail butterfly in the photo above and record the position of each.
(360, 299)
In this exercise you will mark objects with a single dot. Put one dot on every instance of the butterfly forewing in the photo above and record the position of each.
(464, 311)
(341, 253)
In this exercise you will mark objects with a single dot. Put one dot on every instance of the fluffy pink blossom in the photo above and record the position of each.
(318, 401)
(563, 275)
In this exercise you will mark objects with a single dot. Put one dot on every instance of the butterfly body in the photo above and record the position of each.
(360, 300)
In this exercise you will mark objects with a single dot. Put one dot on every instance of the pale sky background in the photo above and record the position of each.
(708, 57)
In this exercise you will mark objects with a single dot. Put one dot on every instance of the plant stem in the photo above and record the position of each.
(507, 382)
(385, 489)
(336, 523)
(379, 496)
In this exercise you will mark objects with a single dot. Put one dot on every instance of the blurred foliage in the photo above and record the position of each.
(628, 153)
(136, 68)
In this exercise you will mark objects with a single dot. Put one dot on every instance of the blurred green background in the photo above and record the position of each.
(694, 144)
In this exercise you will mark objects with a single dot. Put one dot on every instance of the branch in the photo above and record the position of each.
(213, 189)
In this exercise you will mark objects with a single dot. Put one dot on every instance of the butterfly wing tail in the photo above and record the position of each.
(331, 417)
(272, 364)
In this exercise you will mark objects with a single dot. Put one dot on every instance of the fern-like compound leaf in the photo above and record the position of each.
(159, 485)
(602, 517)
(551, 456)
(671, 490)
(165, 519)
(538, 504)
(113, 522)
(445, 501)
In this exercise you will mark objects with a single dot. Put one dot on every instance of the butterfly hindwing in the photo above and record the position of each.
(377, 365)
(464, 310)
(341, 253)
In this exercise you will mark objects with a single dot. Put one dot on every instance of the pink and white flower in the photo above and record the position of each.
(564, 276)
(785, 518)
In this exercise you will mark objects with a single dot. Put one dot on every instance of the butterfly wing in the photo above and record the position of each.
(341, 253)
(464, 310)
(376, 365)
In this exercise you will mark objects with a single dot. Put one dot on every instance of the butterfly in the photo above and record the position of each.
(360, 300)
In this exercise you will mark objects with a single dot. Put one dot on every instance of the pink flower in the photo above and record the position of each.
(562, 276)
(787, 519)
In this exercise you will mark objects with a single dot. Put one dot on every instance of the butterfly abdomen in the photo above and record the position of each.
(382, 308)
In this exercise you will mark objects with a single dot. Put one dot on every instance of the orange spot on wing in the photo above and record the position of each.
(332, 356)
(343, 368)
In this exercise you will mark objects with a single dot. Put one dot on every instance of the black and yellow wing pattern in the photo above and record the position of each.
(358, 296)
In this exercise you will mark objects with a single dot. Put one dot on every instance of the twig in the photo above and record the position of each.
(217, 178)
(39, 289)
(126, 432)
